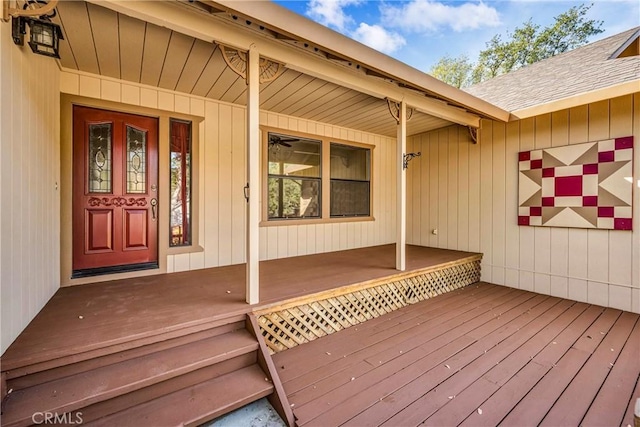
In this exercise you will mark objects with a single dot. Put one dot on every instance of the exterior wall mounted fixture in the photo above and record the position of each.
(473, 134)
(408, 157)
(44, 35)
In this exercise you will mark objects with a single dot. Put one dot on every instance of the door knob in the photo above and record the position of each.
(154, 206)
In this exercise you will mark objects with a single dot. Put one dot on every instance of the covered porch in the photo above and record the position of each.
(179, 344)
(126, 350)
(197, 67)
(80, 321)
(132, 338)
(236, 81)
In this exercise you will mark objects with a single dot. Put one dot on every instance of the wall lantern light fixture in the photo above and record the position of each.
(44, 35)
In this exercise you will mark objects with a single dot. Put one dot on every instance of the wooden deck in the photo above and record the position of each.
(480, 356)
(86, 318)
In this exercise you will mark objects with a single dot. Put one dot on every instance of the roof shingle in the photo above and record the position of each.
(572, 73)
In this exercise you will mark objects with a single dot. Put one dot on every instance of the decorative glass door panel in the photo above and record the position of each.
(99, 160)
(136, 160)
(115, 192)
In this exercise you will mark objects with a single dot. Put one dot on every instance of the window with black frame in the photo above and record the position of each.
(350, 180)
(295, 166)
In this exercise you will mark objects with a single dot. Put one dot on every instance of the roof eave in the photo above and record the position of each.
(288, 22)
(596, 95)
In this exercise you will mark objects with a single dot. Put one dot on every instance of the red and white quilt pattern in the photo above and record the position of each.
(583, 186)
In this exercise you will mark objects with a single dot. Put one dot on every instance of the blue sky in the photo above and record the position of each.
(419, 32)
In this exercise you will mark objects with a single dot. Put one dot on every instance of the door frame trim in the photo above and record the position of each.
(66, 185)
(102, 260)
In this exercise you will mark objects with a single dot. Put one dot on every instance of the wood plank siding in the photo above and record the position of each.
(30, 178)
(483, 355)
(468, 192)
(159, 57)
(222, 178)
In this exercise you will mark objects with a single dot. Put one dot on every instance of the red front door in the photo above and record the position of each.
(115, 192)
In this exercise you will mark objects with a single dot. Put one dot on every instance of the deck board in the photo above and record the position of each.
(379, 329)
(519, 357)
(629, 414)
(83, 318)
(402, 373)
(436, 335)
(383, 344)
(471, 398)
(607, 407)
(473, 363)
(577, 398)
(535, 406)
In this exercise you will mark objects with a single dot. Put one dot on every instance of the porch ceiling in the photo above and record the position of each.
(102, 41)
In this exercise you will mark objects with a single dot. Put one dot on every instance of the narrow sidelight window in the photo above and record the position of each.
(180, 196)
(350, 180)
(294, 177)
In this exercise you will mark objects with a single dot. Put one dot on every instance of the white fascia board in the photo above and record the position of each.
(289, 22)
(622, 89)
(185, 20)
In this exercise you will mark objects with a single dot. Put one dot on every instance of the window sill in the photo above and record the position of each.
(177, 250)
(311, 221)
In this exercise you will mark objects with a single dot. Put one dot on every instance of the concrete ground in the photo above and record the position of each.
(257, 414)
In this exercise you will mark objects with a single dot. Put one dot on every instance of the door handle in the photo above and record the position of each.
(154, 206)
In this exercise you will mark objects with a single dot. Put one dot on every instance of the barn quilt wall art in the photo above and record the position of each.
(586, 185)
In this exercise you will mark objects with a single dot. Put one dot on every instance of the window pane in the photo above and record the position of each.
(350, 198)
(350, 180)
(100, 158)
(136, 160)
(294, 198)
(180, 219)
(292, 156)
(349, 162)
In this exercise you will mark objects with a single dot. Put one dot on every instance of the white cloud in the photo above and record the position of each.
(330, 12)
(378, 38)
(428, 15)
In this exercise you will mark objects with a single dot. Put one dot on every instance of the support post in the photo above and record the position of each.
(401, 191)
(253, 177)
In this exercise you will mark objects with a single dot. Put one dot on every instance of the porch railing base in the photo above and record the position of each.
(302, 320)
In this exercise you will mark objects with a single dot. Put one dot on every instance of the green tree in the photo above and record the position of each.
(527, 44)
(454, 71)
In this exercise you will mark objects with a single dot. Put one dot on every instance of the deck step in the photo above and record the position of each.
(86, 388)
(198, 404)
(144, 395)
(31, 375)
(16, 365)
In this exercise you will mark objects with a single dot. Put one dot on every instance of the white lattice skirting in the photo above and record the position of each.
(305, 319)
